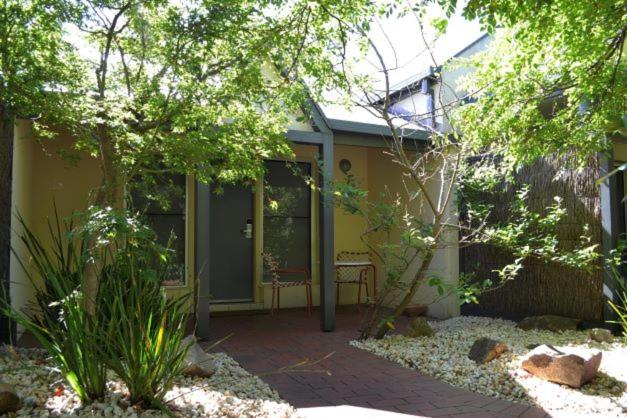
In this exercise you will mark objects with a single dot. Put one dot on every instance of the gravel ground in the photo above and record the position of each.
(445, 357)
(231, 392)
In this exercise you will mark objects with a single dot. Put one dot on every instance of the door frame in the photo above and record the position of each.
(304, 154)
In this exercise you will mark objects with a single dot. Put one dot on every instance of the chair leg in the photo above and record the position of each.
(273, 297)
(359, 293)
(278, 299)
(337, 294)
(308, 290)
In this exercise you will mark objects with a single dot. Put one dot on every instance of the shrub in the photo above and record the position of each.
(58, 319)
(136, 330)
(620, 306)
(617, 265)
(142, 328)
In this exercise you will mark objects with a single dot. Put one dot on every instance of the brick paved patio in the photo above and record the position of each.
(262, 343)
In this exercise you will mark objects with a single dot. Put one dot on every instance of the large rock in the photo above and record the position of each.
(601, 335)
(419, 327)
(485, 349)
(563, 365)
(197, 362)
(549, 322)
(9, 400)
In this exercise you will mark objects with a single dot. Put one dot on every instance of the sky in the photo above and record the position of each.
(409, 54)
(400, 42)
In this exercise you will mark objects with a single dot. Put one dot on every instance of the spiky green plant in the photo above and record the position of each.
(620, 306)
(143, 329)
(58, 319)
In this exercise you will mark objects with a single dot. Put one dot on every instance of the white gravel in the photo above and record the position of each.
(231, 392)
(445, 357)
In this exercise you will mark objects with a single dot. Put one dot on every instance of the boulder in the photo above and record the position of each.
(549, 322)
(414, 310)
(563, 365)
(419, 327)
(9, 400)
(601, 335)
(197, 362)
(485, 349)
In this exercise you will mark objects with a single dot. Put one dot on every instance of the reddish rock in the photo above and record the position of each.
(560, 366)
(485, 350)
(9, 400)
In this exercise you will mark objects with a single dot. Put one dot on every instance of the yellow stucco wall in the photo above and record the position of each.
(620, 150)
(348, 227)
(42, 177)
(384, 173)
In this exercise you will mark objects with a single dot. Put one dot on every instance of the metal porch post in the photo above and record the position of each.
(202, 261)
(610, 205)
(327, 270)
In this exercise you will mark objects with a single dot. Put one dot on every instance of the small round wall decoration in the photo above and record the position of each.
(345, 165)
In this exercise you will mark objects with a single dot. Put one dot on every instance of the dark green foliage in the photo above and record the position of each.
(136, 330)
(58, 319)
(142, 328)
(620, 306)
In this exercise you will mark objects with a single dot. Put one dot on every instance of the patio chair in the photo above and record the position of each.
(353, 267)
(277, 284)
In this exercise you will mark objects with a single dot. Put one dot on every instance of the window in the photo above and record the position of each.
(164, 211)
(287, 214)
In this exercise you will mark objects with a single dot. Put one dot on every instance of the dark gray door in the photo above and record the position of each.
(231, 245)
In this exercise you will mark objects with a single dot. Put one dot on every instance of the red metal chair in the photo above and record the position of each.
(275, 272)
(353, 267)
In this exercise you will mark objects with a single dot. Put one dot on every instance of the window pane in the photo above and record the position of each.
(166, 226)
(287, 216)
(169, 190)
(168, 222)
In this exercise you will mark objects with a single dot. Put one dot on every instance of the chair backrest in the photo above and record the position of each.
(354, 256)
(272, 265)
(351, 274)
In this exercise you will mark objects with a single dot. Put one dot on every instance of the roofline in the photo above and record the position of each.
(410, 85)
(346, 126)
(470, 45)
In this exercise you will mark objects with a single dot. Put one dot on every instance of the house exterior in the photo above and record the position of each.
(221, 237)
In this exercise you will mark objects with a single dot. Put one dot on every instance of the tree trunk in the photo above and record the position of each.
(6, 167)
(418, 280)
(110, 194)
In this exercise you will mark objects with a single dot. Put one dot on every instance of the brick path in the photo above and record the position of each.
(262, 343)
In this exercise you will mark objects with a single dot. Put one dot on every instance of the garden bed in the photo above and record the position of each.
(445, 356)
(231, 391)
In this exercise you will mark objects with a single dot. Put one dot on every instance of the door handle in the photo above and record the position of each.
(248, 230)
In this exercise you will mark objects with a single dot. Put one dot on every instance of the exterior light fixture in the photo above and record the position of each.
(345, 165)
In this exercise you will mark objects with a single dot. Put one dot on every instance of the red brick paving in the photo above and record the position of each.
(262, 344)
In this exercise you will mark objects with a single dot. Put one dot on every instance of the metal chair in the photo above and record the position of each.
(352, 267)
(275, 272)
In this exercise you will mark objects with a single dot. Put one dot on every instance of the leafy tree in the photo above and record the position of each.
(405, 230)
(552, 81)
(191, 87)
(34, 62)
